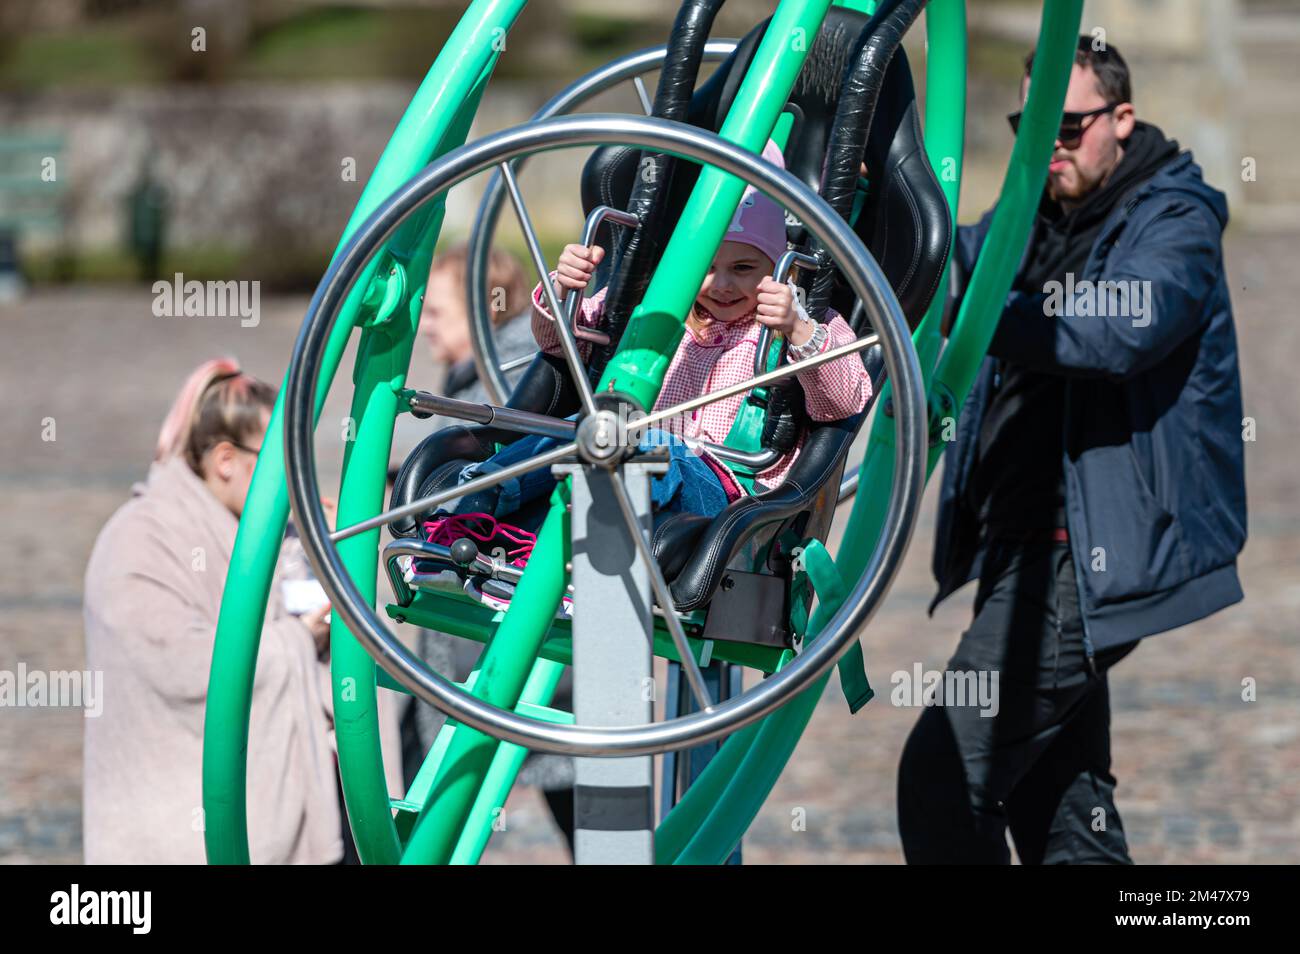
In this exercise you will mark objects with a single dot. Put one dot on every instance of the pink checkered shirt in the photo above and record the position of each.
(834, 390)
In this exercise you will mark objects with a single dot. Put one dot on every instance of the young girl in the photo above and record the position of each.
(738, 299)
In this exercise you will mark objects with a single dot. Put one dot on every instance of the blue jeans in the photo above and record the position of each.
(689, 486)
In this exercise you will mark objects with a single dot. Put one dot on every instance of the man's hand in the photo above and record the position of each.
(577, 265)
(776, 309)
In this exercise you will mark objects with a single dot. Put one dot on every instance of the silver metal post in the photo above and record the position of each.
(664, 596)
(613, 675)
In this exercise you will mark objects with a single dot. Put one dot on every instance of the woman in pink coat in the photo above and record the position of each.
(153, 591)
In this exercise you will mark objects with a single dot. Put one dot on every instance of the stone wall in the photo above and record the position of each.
(260, 167)
(257, 166)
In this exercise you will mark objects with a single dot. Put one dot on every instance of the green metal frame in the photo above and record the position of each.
(437, 120)
(448, 814)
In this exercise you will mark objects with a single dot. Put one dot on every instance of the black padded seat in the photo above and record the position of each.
(675, 539)
(904, 223)
(820, 462)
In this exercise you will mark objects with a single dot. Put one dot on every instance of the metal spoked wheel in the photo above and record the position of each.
(487, 360)
(868, 283)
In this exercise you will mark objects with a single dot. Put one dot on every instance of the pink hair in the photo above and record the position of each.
(227, 414)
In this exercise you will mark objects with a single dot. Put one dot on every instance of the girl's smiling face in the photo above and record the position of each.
(730, 289)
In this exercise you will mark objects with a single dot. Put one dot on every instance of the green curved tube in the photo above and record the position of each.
(505, 767)
(435, 115)
(356, 722)
(656, 325)
(1022, 189)
(748, 788)
(383, 356)
(688, 815)
(503, 671)
(945, 139)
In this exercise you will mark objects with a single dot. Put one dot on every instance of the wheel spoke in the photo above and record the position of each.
(758, 381)
(848, 487)
(645, 96)
(519, 362)
(567, 342)
(693, 675)
(451, 493)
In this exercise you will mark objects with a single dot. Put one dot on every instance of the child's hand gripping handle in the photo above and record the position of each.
(578, 263)
(781, 274)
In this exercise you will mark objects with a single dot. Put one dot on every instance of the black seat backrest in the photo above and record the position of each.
(813, 98)
(904, 223)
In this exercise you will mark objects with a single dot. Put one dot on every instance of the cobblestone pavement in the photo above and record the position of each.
(1203, 775)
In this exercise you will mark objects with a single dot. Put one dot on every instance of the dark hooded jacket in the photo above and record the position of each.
(1153, 457)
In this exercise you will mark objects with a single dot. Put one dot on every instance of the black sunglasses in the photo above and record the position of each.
(1072, 125)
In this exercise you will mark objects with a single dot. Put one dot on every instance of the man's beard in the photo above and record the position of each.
(1075, 187)
(1069, 186)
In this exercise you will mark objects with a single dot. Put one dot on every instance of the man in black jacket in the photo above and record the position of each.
(1095, 486)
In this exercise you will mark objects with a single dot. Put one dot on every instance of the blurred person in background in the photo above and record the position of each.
(444, 322)
(146, 214)
(153, 590)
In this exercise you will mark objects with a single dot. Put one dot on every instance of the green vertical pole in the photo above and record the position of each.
(945, 139)
(1022, 189)
(503, 671)
(382, 360)
(500, 777)
(656, 325)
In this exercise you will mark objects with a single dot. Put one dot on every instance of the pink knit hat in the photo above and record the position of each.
(759, 222)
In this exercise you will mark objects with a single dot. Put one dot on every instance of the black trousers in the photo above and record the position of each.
(1041, 765)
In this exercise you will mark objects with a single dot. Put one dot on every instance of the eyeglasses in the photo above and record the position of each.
(244, 447)
(1072, 125)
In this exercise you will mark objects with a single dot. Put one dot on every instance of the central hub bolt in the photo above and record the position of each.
(599, 438)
